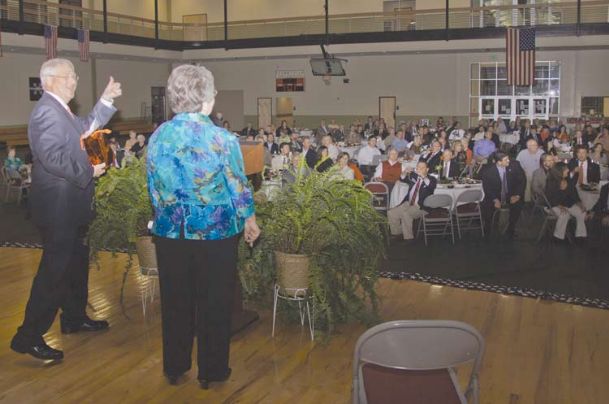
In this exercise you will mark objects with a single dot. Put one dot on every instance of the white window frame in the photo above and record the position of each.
(483, 100)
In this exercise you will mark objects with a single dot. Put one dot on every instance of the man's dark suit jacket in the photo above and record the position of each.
(601, 204)
(424, 190)
(491, 182)
(310, 157)
(594, 170)
(62, 176)
(432, 161)
(453, 170)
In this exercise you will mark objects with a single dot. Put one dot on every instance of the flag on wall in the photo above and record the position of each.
(83, 44)
(50, 41)
(520, 56)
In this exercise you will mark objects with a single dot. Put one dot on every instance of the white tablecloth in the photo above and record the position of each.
(589, 198)
(270, 188)
(511, 138)
(400, 190)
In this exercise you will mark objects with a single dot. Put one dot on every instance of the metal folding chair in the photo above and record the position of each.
(380, 195)
(550, 217)
(415, 361)
(439, 221)
(467, 211)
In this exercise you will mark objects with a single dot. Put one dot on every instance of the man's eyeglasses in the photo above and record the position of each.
(69, 76)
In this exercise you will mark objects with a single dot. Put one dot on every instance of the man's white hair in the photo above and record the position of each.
(50, 68)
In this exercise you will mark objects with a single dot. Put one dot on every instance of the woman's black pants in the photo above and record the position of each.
(197, 282)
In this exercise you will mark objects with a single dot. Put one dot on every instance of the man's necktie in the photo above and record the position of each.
(413, 198)
(580, 175)
(504, 188)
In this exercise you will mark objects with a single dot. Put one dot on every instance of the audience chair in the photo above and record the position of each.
(439, 221)
(468, 212)
(380, 195)
(549, 217)
(414, 361)
(14, 182)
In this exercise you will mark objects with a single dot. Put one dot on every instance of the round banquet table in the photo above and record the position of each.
(400, 190)
(589, 198)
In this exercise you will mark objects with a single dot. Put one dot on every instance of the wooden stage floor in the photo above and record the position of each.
(537, 352)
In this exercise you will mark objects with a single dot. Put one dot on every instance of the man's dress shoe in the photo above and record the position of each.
(205, 382)
(68, 327)
(38, 351)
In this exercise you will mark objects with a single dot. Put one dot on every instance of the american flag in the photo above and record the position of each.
(50, 41)
(83, 44)
(520, 56)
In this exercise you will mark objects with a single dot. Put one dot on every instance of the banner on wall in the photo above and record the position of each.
(289, 80)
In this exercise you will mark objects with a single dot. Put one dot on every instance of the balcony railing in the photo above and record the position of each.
(42, 12)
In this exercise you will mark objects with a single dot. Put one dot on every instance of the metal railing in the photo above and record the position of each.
(573, 12)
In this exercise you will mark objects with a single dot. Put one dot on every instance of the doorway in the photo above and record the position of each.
(387, 107)
(285, 111)
(265, 112)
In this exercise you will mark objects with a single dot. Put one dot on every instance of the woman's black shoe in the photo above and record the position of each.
(173, 379)
(205, 382)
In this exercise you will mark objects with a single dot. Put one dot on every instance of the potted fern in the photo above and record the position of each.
(123, 209)
(319, 233)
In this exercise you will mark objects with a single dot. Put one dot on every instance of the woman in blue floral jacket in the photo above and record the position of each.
(202, 203)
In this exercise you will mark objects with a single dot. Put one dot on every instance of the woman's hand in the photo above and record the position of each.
(252, 231)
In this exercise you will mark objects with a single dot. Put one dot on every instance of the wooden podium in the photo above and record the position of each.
(253, 158)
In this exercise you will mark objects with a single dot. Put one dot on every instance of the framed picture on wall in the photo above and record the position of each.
(35, 88)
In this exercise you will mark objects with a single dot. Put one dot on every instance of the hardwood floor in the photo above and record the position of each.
(537, 352)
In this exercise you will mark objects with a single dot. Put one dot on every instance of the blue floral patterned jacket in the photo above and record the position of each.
(196, 180)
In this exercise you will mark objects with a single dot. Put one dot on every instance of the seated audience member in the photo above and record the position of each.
(248, 130)
(295, 143)
(139, 149)
(601, 209)
(250, 138)
(353, 137)
(565, 202)
(483, 148)
(118, 153)
(389, 171)
(421, 185)
(322, 131)
(417, 144)
(226, 125)
(282, 160)
(308, 154)
(539, 178)
(455, 132)
(366, 156)
(579, 139)
(583, 170)
(503, 183)
(598, 155)
(325, 162)
(131, 141)
(450, 168)
(460, 156)
(399, 143)
(283, 130)
(529, 161)
(328, 142)
(12, 163)
(388, 141)
(343, 166)
(270, 144)
(433, 157)
(480, 134)
(603, 138)
(298, 168)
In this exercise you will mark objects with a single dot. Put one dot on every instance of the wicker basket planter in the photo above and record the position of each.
(146, 254)
(292, 273)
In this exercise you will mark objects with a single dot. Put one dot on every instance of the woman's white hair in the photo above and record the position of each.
(50, 67)
(188, 87)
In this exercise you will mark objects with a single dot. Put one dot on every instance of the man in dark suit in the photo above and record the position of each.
(583, 170)
(450, 169)
(308, 154)
(420, 187)
(503, 182)
(61, 198)
(433, 158)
